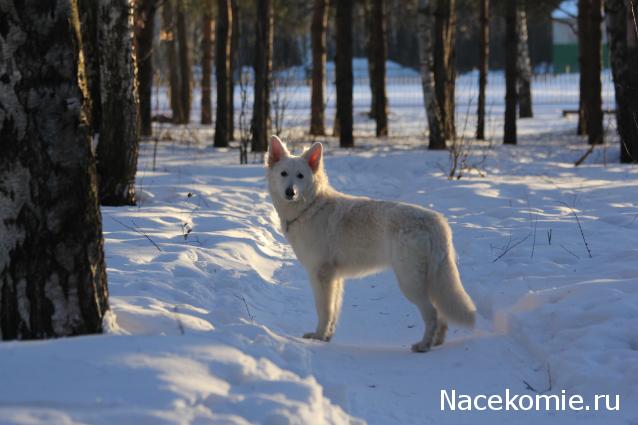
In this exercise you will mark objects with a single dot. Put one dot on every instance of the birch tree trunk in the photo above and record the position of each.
(511, 53)
(370, 46)
(318, 35)
(444, 63)
(343, 69)
(144, 34)
(484, 67)
(52, 273)
(88, 11)
(623, 46)
(118, 145)
(170, 45)
(184, 64)
(222, 70)
(425, 21)
(524, 64)
(234, 54)
(263, 70)
(207, 59)
(380, 107)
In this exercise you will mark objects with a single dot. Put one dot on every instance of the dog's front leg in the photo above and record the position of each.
(328, 292)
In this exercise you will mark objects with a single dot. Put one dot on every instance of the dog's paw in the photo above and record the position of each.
(421, 347)
(315, 335)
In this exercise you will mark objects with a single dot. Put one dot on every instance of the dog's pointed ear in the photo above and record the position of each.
(314, 156)
(276, 151)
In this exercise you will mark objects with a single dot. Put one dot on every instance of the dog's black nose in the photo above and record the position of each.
(290, 192)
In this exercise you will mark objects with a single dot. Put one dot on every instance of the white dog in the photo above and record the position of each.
(336, 236)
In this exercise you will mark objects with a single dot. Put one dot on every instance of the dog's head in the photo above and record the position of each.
(293, 178)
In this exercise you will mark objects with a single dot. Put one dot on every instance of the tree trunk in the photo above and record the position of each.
(222, 70)
(234, 55)
(623, 48)
(593, 106)
(263, 69)
(524, 64)
(380, 107)
(318, 34)
(184, 63)
(52, 272)
(118, 145)
(511, 53)
(170, 42)
(88, 11)
(484, 67)
(584, 61)
(425, 21)
(370, 46)
(444, 66)
(343, 70)
(144, 34)
(207, 62)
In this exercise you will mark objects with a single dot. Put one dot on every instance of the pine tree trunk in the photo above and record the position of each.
(380, 107)
(623, 48)
(425, 21)
(584, 61)
(222, 70)
(118, 145)
(144, 34)
(184, 63)
(444, 66)
(484, 67)
(343, 70)
(318, 34)
(170, 44)
(88, 11)
(52, 272)
(207, 62)
(524, 65)
(263, 69)
(511, 54)
(593, 106)
(234, 55)
(370, 46)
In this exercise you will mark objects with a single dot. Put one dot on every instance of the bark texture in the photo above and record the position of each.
(52, 273)
(118, 145)
(234, 58)
(523, 64)
(185, 77)
(207, 62)
(318, 34)
(484, 67)
(623, 47)
(379, 53)
(263, 70)
(88, 11)
(343, 68)
(144, 33)
(425, 21)
(170, 45)
(590, 117)
(511, 53)
(444, 63)
(222, 70)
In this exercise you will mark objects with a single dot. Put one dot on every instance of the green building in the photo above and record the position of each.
(565, 46)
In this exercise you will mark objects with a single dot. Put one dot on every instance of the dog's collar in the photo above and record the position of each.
(288, 223)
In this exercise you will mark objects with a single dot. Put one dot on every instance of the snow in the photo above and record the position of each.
(208, 302)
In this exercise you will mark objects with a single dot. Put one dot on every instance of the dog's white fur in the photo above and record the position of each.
(336, 236)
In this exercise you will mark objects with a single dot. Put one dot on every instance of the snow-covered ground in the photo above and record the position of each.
(209, 302)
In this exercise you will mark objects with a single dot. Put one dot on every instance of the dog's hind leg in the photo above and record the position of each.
(328, 292)
(431, 319)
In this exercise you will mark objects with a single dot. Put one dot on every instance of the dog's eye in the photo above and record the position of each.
(284, 174)
(300, 176)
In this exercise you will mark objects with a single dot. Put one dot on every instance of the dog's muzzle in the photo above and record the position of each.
(290, 193)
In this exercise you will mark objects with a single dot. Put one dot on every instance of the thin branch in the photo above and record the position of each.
(135, 229)
(509, 247)
(580, 227)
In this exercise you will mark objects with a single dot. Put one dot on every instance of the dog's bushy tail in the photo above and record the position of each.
(448, 294)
